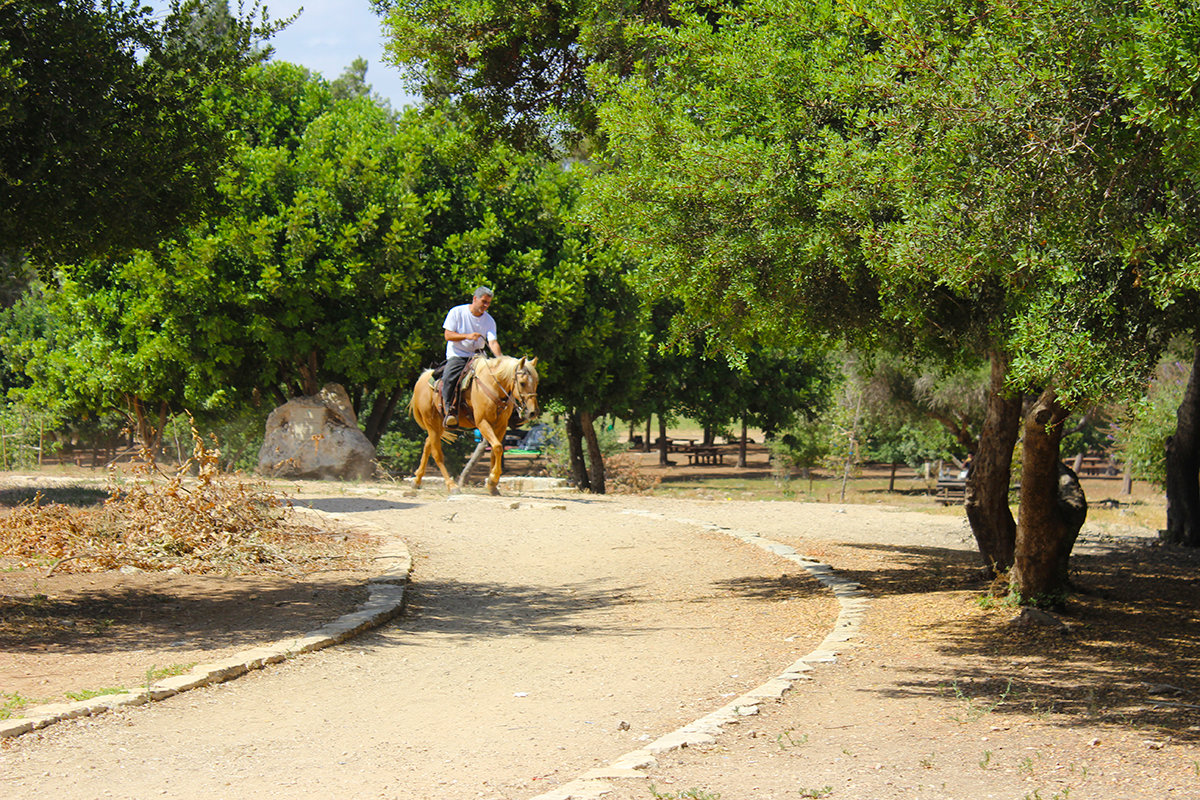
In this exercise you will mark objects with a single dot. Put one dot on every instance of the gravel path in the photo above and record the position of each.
(544, 637)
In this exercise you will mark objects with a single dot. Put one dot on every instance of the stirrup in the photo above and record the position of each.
(450, 421)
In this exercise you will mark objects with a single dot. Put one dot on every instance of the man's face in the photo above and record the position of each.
(480, 304)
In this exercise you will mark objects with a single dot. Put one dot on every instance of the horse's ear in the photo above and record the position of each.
(533, 363)
(521, 363)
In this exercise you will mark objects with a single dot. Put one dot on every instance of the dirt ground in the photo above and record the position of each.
(944, 697)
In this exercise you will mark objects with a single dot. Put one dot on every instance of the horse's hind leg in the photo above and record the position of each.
(419, 475)
(435, 445)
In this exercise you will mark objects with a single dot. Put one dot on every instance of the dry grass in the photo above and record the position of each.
(210, 523)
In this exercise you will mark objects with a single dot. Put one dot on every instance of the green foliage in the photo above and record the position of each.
(518, 68)
(25, 430)
(1141, 435)
(911, 443)
(558, 457)
(107, 135)
(802, 446)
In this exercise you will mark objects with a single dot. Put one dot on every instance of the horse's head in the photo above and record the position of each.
(524, 391)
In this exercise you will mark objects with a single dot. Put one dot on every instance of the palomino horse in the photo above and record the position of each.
(497, 387)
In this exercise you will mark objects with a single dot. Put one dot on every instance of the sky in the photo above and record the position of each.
(327, 36)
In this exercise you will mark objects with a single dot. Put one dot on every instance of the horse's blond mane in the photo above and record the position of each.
(504, 368)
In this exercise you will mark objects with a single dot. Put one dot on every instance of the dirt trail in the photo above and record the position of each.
(549, 635)
(540, 641)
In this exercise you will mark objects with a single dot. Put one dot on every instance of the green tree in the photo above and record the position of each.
(971, 181)
(519, 69)
(107, 139)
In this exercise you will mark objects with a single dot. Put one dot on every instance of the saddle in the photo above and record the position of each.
(466, 418)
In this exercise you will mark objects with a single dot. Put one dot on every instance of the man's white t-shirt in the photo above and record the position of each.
(461, 320)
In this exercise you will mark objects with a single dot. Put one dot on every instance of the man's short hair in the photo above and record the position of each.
(483, 291)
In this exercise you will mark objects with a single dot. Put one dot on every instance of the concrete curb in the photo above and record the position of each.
(634, 764)
(385, 600)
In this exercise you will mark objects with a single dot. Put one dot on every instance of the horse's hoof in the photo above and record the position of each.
(493, 490)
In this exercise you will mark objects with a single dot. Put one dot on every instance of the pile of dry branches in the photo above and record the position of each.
(204, 523)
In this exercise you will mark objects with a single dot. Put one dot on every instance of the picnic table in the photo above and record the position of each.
(704, 454)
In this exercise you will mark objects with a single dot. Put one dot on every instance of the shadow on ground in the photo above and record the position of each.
(492, 610)
(1127, 652)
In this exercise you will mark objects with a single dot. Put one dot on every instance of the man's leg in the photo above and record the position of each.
(450, 376)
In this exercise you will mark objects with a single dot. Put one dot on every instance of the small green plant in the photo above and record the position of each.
(990, 601)
(157, 674)
(786, 740)
(824, 791)
(1196, 766)
(88, 694)
(1036, 794)
(1026, 765)
(686, 794)
(12, 703)
(975, 709)
(986, 759)
(927, 761)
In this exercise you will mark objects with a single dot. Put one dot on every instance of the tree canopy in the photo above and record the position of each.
(968, 179)
(107, 136)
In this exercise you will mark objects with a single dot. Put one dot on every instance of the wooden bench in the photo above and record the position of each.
(951, 491)
(700, 454)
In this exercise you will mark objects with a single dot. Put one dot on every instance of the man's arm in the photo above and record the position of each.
(451, 336)
(494, 344)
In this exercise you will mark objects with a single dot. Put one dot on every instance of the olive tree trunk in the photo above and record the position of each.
(596, 477)
(741, 459)
(986, 496)
(1053, 508)
(579, 471)
(1183, 466)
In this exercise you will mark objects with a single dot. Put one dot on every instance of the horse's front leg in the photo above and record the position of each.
(497, 443)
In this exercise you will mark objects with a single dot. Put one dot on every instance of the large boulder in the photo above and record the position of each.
(316, 437)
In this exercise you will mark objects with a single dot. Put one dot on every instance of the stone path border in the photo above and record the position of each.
(385, 600)
(853, 601)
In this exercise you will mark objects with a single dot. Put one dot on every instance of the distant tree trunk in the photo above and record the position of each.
(986, 496)
(646, 444)
(381, 414)
(892, 479)
(1053, 507)
(143, 431)
(710, 436)
(575, 447)
(472, 461)
(741, 461)
(663, 447)
(308, 374)
(1183, 466)
(595, 458)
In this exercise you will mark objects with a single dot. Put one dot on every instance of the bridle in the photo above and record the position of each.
(518, 397)
(521, 397)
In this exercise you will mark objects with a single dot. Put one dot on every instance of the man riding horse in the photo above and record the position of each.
(498, 387)
(467, 329)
